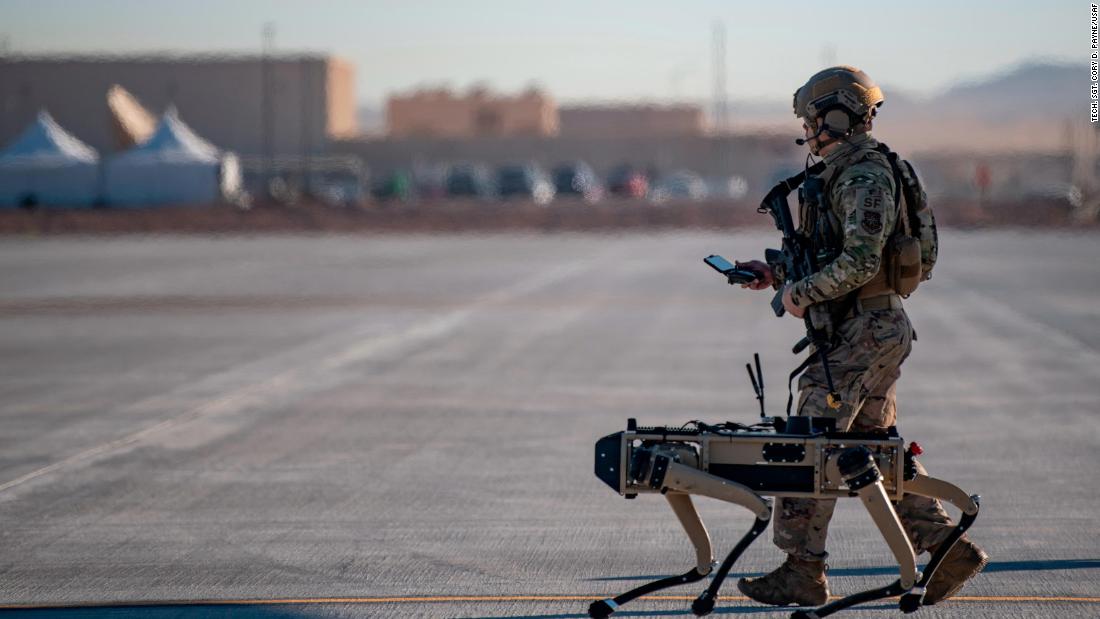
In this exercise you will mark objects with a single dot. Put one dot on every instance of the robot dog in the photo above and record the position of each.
(777, 457)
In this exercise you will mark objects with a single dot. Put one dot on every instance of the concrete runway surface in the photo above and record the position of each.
(403, 426)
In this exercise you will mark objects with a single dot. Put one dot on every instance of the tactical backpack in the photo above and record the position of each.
(914, 244)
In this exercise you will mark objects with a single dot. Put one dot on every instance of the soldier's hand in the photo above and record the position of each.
(764, 272)
(788, 304)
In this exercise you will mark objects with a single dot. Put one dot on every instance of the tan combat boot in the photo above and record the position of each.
(797, 581)
(962, 563)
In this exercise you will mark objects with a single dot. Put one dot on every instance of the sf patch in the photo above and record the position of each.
(871, 222)
(871, 212)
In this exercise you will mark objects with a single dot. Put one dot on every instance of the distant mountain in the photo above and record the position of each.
(1030, 90)
(1033, 88)
(1028, 107)
(1025, 108)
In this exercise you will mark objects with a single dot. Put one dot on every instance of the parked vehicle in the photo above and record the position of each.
(469, 181)
(397, 185)
(524, 181)
(731, 187)
(577, 179)
(627, 181)
(429, 181)
(680, 185)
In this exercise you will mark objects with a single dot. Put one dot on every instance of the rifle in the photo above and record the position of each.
(796, 261)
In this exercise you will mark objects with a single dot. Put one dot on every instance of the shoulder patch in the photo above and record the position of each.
(860, 179)
(871, 221)
(870, 210)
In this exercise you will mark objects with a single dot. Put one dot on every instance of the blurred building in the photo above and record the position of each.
(625, 121)
(300, 102)
(440, 113)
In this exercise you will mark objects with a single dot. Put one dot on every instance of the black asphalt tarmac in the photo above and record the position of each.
(403, 426)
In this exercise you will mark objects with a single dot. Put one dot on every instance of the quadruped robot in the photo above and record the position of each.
(795, 456)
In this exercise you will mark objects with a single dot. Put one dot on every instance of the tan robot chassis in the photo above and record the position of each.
(778, 457)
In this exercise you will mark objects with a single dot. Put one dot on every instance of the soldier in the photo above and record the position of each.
(873, 334)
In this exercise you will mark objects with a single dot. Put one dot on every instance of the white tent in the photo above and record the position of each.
(47, 165)
(174, 166)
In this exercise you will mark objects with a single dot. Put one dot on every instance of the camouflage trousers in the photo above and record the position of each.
(865, 366)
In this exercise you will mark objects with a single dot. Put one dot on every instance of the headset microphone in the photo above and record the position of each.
(823, 129)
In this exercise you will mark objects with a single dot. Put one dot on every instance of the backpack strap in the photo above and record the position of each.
(906, 212)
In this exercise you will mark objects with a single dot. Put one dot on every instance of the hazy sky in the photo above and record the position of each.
(581, 50)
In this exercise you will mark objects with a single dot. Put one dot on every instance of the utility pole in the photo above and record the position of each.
(267, 107)
(9, 102)
(720, 103)
(306, 144)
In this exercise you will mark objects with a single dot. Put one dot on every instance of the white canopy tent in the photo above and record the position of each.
(174, 166)
(48, 165)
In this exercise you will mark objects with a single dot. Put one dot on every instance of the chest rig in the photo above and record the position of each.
(821, 224)
(817, 221)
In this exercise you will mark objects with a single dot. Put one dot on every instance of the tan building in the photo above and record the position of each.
(440, 113)
(632, 121)
(305, 100)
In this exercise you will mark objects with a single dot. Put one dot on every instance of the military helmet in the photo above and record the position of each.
(844, 87)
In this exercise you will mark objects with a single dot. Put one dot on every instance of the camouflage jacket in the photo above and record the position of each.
(860, 186)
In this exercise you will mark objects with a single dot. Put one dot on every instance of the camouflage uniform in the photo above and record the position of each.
(871, 345)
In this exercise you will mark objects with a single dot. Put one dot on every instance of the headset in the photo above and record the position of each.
(837, 124)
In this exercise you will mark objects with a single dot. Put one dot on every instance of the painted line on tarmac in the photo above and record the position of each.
(1048, 332)
(307, 372)
(1018, 599)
